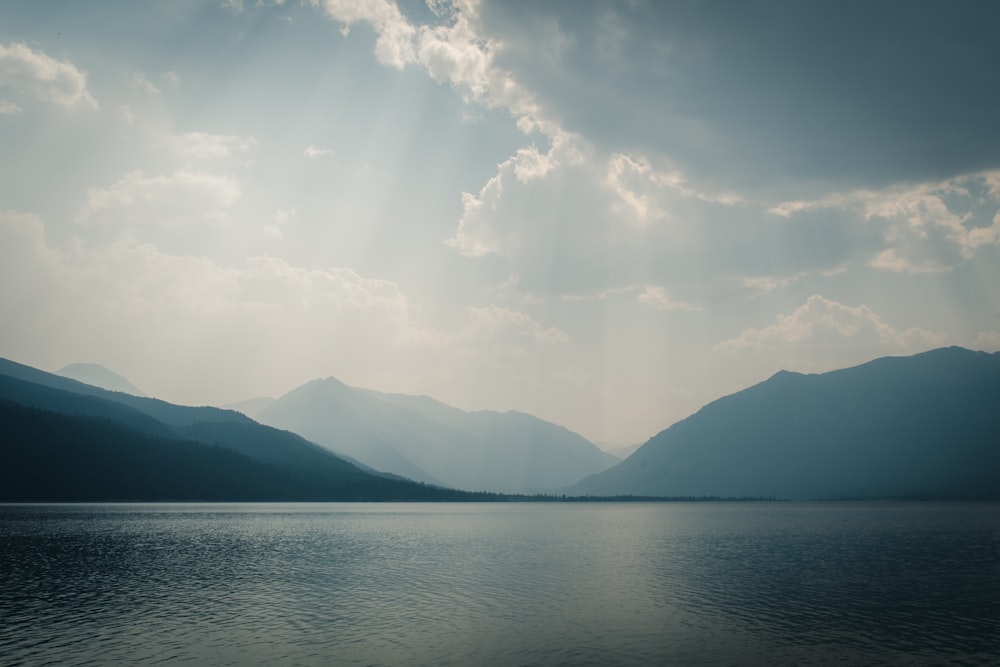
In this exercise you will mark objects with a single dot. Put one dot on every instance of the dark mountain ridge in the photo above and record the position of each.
(921, 426)
(64, 440)
(168, 413)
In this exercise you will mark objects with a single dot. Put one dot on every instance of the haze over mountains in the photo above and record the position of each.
(920, 426)
(924, 426)
(99, 376)
(423, 439)
(63, 440)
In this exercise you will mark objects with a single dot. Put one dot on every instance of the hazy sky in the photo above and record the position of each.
(605, 214)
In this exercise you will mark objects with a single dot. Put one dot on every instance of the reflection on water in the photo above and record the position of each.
(501, 584)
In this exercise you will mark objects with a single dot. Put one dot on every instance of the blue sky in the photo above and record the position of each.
(605, 214)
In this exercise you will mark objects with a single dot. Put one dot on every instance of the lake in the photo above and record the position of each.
(501, 584)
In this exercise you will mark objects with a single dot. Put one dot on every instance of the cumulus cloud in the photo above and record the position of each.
(497, 220)
(453, 52)
(394, 46)
(181, 198)
(765, 97)
(294, 322)
(636, 185)
(133, 298)
(925, 228)
(479, 232)
(822, 322)
(43, 77)
(8, 108)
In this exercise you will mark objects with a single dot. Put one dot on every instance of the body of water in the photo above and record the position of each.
(501, 584)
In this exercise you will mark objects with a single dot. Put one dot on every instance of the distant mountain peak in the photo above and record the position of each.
(328, 382)
(99, 376)
(422, 438)
(783, 373)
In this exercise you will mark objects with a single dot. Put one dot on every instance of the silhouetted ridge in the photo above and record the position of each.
(65, 440)
(174, 415)
(920, 426)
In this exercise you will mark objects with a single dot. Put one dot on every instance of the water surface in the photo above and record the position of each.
(501, 584)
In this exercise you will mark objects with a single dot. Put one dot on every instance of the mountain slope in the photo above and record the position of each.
(521, 451)
(55, 443)
(424, 439)
(168, 413)
(99, 376)
(924, 426)
(249, 407)
(52, 457)
(332, 414)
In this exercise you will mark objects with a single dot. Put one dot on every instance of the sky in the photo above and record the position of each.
(606, 214)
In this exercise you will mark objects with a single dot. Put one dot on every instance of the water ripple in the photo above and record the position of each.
(542, 584)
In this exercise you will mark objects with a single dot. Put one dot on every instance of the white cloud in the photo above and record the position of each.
(313, 152)
(295, 323)
(454, 52)
(478, 233)
(635, 184)
(181, 198)
(394, 45)
(133, 298)
(55, 81)
(8, 108)
(203, 146)
(822, 322)
(925, 228)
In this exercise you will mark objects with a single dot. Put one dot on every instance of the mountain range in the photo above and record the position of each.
(63, 440)
(924, 426)
(423, 439)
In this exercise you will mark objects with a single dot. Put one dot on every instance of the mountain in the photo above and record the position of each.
(919, 426)
(99, 376)
(424, 439)
(64, 440)
(620, 452)
(523, 452)
(249, 407)
(168, 413)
